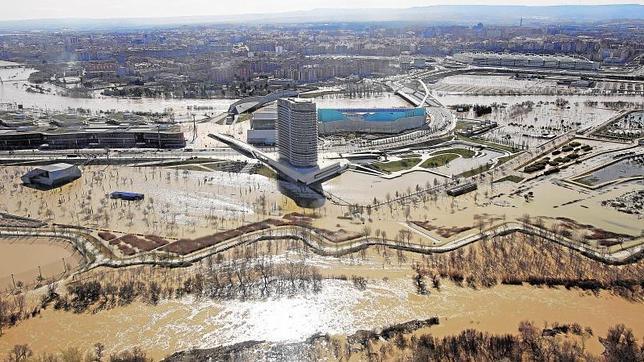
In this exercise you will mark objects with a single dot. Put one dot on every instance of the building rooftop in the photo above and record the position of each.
(55, 167)
(368, 114)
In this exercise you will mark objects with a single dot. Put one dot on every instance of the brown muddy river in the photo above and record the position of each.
(339, 308)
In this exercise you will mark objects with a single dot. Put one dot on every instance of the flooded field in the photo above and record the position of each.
(456, 98)
(619, 170)
(531, 123)
(493, 84)
(339, 309)
(362, 188)
(23, 256)
(15, 85)
(183, 201)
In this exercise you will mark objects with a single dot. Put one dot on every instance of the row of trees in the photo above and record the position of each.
(23, 353)
(519, 258)
(240, 279)
(399, 343)
(243, 273)
(407, 342)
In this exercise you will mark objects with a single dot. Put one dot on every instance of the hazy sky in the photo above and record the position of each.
(36, 9)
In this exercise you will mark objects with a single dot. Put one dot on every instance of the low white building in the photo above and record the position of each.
(51, 175)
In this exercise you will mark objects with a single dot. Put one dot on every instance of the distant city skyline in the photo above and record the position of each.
(59, 9)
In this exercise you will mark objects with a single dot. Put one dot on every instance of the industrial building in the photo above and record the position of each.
(51, 175)
(297, 132)
(526, 61)
(370, 120)
(95, 136)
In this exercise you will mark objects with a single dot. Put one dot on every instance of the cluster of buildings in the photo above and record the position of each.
(238, 61)
(266, 123)
(512, 60)
(19, 132)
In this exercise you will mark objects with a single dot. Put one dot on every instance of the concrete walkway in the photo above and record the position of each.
(96, 255)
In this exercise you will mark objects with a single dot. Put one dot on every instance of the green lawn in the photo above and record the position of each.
(507, 158)
(486, 167)
(244, 117)
(395, 166)
(267, 172)
(443, 157)
(475, 171)
(440, 160)
(461, 125)
(511, 178)
(466, 153)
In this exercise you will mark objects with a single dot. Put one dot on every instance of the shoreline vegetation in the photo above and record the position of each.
(257, 272)
(413, 341)
(409, 341)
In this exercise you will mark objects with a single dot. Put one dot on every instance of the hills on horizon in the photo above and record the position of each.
(435, 14)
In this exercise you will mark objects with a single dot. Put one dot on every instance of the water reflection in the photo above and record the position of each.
(307, 196)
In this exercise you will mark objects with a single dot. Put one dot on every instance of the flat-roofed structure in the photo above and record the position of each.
(263, 127)
(96, 136)
(370, 120)
(297, 132)
(51, 175)
(462, 189)
(526, 61)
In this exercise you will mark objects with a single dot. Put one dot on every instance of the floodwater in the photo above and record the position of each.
(456, 98)
(619, 170)
(23, 256)
(180, 200)
(16, 92)
(362, 188)
(338, 309)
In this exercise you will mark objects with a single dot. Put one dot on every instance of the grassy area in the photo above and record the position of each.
(244, 117)
(486, 167)
(191, 168)
(585, 180)
(474, 171)
(410, 155)
(438, 161)
(487, 143)
(511, 178)
(466, 153)
(461, 125)
(395, 166)
(507, 158)
(267, 172)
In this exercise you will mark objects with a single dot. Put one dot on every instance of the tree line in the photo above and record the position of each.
(519, 258)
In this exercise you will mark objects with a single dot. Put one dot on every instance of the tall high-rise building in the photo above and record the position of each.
(297, 132)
